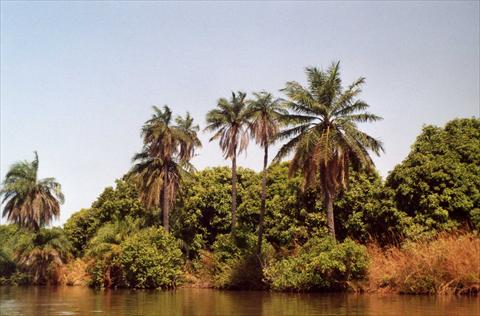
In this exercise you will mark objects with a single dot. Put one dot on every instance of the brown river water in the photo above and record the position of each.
(84, 301)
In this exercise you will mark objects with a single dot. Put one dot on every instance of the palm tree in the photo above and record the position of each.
(30, 202)
(229, 122)
(191, 140)
(265, 113)
(324, 137)
(44, 254)
(165, 158)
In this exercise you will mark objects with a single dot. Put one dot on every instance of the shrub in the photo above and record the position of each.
(151, 258)
(320, 264)
(233, 263)
(11, 236)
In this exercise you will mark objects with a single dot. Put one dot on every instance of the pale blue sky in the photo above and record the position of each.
(78, 79)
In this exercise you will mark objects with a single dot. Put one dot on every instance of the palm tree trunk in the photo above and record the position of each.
(264, 198)
(165, 204)
(330, 217)
(234, 192)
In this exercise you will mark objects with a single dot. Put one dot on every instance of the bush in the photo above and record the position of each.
(151, 259)
(233, 263)
(321, 264)
(10, 236)
(113, 204)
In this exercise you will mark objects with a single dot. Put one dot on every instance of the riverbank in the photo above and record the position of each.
(446, 265)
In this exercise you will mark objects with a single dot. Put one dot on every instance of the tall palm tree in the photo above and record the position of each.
(30, 202)
(324, 135)
(265, 113)
(229, 122)
(165, 158)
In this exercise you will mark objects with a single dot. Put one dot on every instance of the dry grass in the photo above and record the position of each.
(74, 273)
(449, 264)
(201, 275)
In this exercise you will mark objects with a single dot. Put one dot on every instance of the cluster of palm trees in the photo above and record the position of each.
(318, 124)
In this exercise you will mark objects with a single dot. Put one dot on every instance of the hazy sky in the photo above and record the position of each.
(78, 79)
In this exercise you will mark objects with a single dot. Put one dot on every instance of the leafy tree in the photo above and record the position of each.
(165, 158)
(43, 254)
(30, 202)
(80, 227)
(439, 182)
(204, 206)
(265, 112)
(113, 204)
(367, 211)
(292, 215)
(230, 121)
(324, 135)
(151, 259)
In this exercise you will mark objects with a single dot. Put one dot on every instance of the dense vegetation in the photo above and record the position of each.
(318, 222)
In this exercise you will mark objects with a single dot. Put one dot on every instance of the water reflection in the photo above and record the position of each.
(84, 301)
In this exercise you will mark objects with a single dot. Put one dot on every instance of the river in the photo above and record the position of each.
(40, 301)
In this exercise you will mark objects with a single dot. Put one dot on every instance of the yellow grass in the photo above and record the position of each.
(74, 273)
(449, 264)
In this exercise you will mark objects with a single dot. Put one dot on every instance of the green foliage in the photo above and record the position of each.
(126, 256)
(236, 264)
(28, 257)
(291, 215)
(438, 184)
(151, 259)
(80, 227)
(11, 236)
(321, 264)
(118, 202)
(203, 210)
(104, 249)
(114, 204)
(17, 278)
(366, 211)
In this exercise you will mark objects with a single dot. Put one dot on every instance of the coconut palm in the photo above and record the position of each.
(229, 122)
(43, 254)
(165, 158)
(191, 141)
(324, 135)
(30, 202)
(265, 113)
